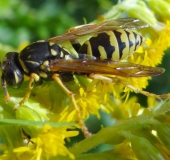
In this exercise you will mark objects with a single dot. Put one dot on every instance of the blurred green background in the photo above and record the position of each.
(32, 20)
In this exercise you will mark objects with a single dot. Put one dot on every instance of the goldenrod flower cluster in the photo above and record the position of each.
(40, 128)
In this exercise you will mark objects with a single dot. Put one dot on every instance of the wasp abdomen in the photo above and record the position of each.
(113, 45)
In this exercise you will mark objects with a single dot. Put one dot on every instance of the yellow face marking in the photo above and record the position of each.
(16, 77)
(29, 56)
(103, 54)
(43, 75)
(53, 52)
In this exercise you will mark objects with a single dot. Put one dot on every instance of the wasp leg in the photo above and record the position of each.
(136, 90)
(3, 84)
(71, 96)
(33, 77)
(148, 94)
(100, 77)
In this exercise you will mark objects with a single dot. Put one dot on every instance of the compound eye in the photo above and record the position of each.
(11, 71)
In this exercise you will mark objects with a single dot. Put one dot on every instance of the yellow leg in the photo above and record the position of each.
(71, 96)
(100, 77)
(148, 94)
(33, 77)
(136, 90)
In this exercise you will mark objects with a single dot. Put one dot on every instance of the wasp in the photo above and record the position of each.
(98, 57)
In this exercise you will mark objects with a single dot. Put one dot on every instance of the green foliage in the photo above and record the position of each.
(137, 131)
(31, 20)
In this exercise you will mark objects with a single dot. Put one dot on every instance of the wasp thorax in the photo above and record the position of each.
(12, 72)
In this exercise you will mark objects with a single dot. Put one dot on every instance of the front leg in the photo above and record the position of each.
(33, 78)
(3, 84)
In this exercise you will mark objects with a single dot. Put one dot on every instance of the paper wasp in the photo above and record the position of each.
(110, 42)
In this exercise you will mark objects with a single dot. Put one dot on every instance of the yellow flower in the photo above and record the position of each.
(124, 110)
(87, 101)
(161, 43)
(49, 143)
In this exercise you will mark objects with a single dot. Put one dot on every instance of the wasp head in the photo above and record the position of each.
(12, 73)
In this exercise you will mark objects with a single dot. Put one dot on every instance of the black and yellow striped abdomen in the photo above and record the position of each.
(114, 45)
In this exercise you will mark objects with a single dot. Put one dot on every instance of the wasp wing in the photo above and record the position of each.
(123, 69)
(84, 30)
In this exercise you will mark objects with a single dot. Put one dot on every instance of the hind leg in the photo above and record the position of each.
(70, 94)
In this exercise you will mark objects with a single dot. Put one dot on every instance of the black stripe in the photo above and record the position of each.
(102, 39)
(121, 44)
(130, 42)
(136, 41)
(141, 40)
(76, 45)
